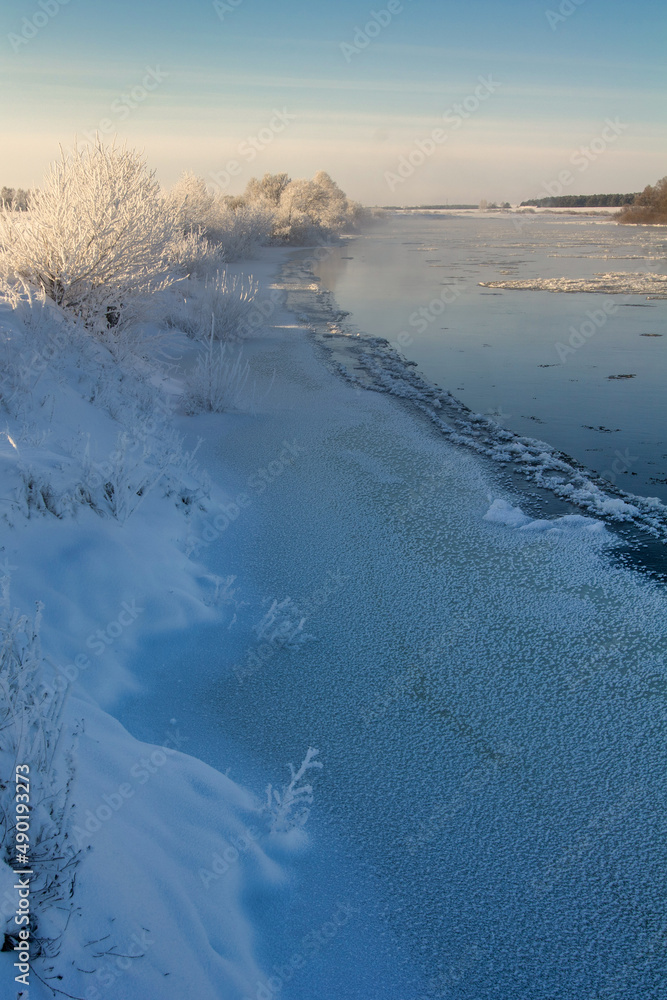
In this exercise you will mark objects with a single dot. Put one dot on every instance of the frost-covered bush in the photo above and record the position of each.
(190, 205)
(289, 808)
(234, 227)
(123, 480)
(241, 229)
(218, 379)
(197, 256)
(97, 233)
(115, 487)
(32, 733)
(17, 200)
(225, 299)
(37, 494)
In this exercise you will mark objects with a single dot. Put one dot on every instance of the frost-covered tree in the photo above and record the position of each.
(274, 209)
(21, 200)
(16, 199)
(97, 234)
(191, 205)
(315, 209)
(649, 207)
(241, 228)
(231, 227)
(269, 189)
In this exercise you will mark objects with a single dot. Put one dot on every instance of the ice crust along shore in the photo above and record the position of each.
(468, 664)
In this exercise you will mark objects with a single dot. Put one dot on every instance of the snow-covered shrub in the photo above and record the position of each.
(218, 380)
(32, 733)
(126, 479)
(225, 299)
(37, 494)
(197, 256)
(289, 808)
(17, 200)
(184, 480)
(97, 233)
(231, 227)
(241, 229)
(113, 487)
(229, 300)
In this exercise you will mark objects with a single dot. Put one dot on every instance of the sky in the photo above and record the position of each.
(401, 101)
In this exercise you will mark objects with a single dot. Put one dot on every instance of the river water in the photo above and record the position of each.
(497, 349)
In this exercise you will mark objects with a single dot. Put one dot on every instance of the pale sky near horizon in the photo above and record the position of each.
(204, 82)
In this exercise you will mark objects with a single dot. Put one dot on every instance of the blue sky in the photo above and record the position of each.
(220, 75)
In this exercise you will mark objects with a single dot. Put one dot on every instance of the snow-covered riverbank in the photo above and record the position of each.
(99, 492)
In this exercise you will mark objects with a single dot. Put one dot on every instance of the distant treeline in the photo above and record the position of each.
(14, 198)
(582, 201)
(422, 208)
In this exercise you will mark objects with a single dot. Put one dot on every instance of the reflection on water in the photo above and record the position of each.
(415, 281)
